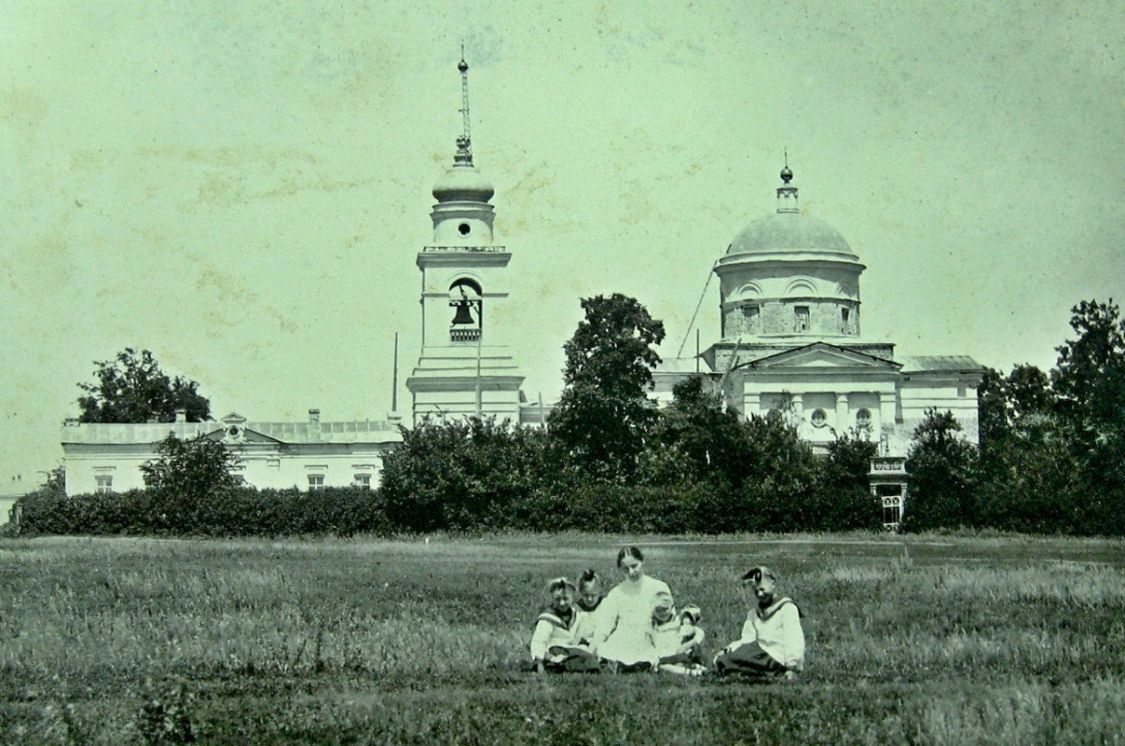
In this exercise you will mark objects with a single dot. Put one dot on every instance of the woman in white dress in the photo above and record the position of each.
(625, 616)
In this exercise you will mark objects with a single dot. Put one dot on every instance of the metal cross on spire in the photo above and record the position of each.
(464, 142)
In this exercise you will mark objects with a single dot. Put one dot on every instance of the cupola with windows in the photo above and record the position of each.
(789, 275)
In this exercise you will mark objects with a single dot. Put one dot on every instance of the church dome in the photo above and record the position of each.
(788, 231)
(463, 183)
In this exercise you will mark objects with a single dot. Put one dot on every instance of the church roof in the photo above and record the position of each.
(819, 354)
(788, 231)
(678, 365)
(946, 363)
(462, 182)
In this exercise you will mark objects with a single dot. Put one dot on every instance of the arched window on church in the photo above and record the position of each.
(800, 318)
(750, 319)
(467, 302)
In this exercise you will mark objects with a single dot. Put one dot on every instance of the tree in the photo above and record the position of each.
(133, 388)
(188, 474)
(696, 438)
(941, 466)
(604, 413)
(843, 497)
(780, 476)
(462, 474)
(1089, 380)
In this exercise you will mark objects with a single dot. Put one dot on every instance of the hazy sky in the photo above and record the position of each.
(242, 187)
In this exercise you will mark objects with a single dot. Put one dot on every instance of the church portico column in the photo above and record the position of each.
(886, 409)
(797, 401)
(842, 421)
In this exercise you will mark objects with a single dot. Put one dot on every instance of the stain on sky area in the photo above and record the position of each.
(243, 187)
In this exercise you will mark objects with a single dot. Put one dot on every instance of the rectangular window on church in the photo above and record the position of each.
(104, 484)
(316, 482)
(750, 319)
(844, 316)
(801, 318)
(362, 480)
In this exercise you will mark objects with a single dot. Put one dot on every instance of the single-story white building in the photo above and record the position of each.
(310, 455)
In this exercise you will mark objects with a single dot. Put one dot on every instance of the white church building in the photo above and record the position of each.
(790, 339)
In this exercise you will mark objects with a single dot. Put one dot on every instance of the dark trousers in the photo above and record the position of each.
(574, 660)
(748, 659)
(689, 657)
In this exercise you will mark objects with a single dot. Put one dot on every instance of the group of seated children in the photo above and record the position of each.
(570, 631)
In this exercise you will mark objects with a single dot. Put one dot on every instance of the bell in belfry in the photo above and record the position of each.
(462, 315)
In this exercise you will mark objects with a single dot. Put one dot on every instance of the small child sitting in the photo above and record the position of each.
(772, 642)
(590, 597)
(677, 637)
(553, 645)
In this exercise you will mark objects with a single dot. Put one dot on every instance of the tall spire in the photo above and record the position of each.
(786, 193)
(464, 141)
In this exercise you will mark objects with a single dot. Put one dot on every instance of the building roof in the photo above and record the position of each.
(680, 365)
(944, 363)
(351, 431)
(463, 183)
(789, 231)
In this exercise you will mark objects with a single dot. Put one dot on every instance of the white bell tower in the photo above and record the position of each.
(466, 367)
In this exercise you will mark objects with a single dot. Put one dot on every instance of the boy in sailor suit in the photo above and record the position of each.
(553, 646)
(772, 642)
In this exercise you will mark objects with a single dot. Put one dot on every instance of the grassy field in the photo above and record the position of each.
(930, 640)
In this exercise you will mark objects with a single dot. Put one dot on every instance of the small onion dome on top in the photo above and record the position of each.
(462, 182)
(788, 231)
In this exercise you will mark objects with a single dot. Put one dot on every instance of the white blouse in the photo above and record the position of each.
(625, 621)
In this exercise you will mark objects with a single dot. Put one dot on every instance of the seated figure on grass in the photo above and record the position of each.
(772, 642)
(553, 644)
(624, 634)
(589, 600)
(677, 637)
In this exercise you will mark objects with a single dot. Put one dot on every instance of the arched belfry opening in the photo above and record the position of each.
(467, 301)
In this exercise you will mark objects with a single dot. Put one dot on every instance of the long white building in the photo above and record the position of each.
(107, 457)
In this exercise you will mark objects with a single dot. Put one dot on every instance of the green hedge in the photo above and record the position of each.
(237, 512)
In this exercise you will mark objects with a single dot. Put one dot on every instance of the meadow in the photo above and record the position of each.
(919, 639)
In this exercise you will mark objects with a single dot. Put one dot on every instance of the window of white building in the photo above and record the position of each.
(316, 482)
(819, 418)
(750, 319)
(104, 483)
(863, 417)
(362, 480)
(800, 318)
(845, 324)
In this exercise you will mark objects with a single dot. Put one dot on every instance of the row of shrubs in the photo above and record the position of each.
(240, 511)
(344, 511)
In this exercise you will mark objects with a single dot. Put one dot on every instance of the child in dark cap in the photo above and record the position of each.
(772, 642)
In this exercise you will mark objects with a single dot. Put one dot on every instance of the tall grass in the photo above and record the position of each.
(926, 640)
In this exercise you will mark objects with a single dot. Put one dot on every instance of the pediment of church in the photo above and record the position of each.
(821, 355)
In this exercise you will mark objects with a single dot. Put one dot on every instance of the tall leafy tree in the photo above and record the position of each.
(133, 388)
(1089, 380)
(604, 413)
(941, 464)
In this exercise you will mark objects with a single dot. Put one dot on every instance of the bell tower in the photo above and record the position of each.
(466, 367)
